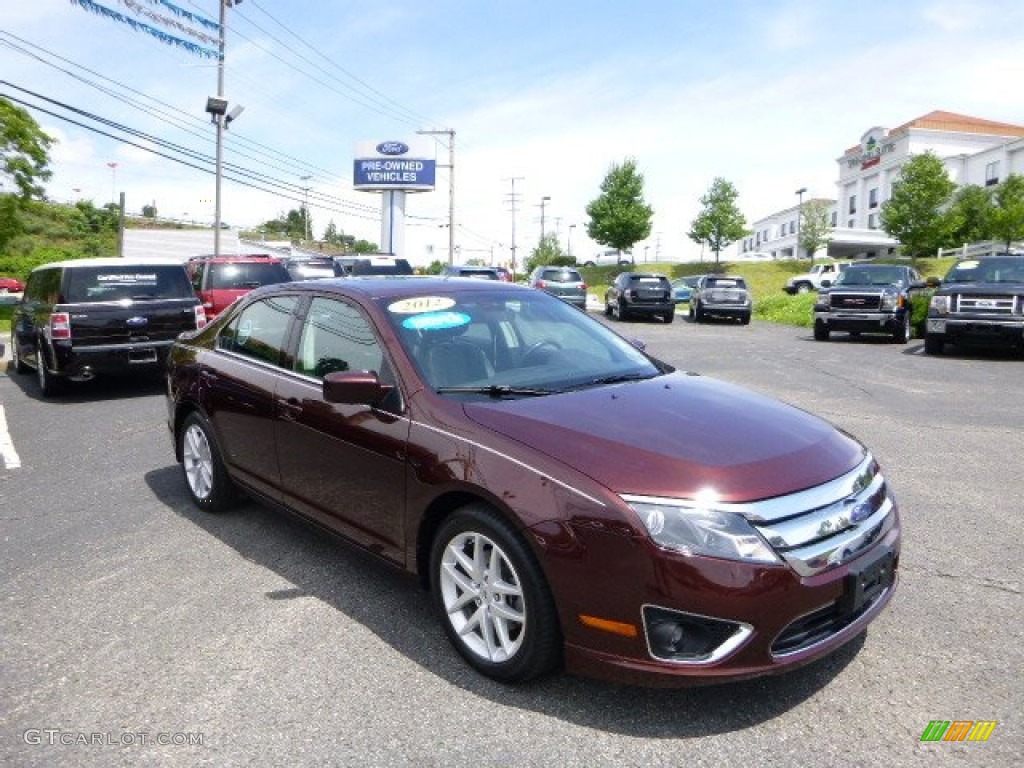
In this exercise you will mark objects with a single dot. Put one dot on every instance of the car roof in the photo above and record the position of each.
(237, 258)
(113, 261)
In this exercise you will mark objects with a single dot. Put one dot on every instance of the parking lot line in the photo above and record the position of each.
(7, 450)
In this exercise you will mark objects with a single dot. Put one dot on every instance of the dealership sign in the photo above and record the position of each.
(396, 165)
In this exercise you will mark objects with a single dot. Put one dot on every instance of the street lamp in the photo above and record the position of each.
(543, 202)
(799, 215)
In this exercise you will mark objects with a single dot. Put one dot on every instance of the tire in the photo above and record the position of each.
(619, 310)
(904, 331)
(205, 475)
(503, 624)
(49, 384)
(16, 362)
(745, 320)
(803, 287)
(669, 316)
(933, 345)
(698, 314)
(689, 313)
(607, 308)
(821, 332)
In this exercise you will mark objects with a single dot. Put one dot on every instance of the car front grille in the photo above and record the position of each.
(818, 626)
(856, 301)
(989, 305)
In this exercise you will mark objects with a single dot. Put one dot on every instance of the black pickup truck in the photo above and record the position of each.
(869, 298)
(80, 318)
(980, 301)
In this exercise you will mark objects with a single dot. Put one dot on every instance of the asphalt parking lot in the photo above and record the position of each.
(130, 618)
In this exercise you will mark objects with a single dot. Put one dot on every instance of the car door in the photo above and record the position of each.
(343, 465)
(238, 382)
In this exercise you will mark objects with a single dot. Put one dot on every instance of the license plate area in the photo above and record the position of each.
(142, 355)
(867, 582)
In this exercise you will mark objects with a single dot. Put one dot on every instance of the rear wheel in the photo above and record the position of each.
(16, 362)
(698, 314)
(491, 596)
(745, 320)
(49, 384)
(821, 332)
(803, 287)
(208, 483)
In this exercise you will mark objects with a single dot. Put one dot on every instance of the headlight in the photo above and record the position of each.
(825, 298)
(939, 304)
(701, 531)
(890, 301)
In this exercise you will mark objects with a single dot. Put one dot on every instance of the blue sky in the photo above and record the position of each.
(765, 94)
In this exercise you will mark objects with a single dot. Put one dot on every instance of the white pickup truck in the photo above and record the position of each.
(811, 279)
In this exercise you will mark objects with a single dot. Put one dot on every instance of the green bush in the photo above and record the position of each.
(790, 310)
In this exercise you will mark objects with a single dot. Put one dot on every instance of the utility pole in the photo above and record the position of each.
(305, 208)
(514, 199)
(543, 202)
(450, 133)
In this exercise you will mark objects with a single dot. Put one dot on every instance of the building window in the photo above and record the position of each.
(872, 221)
(992, 173)
(873, 198)
(835, 218)
(850, 223)
(853, 203)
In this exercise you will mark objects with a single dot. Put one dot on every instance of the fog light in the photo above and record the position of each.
(688, 638)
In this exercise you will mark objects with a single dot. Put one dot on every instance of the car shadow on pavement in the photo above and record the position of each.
(100, 388)
(391, 604)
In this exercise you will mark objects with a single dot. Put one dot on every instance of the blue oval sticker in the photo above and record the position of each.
(392, 148)
(435, 321)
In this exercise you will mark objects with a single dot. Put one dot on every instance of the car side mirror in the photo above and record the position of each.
(933, 282)
(355, 388)
(918, 284)
(826, 283)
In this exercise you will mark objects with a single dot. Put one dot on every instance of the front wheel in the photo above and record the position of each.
(669, 316)
(933, 345)
(208, 483)
(821, 332)
(904, 331)
(491, 597)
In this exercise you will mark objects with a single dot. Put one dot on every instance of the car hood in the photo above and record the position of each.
(677, 435)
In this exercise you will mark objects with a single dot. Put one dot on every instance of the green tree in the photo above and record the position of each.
(720, 223)
(435, 267)
(24, 150)
(364, 246)
(149, 211)
(548, 251)
(1008, 213)
(619, 217)
(291, 224)
(815, 229)
(331, 233)
(916, 214)
(971, 215)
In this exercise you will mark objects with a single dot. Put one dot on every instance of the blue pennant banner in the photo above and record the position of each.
(138, 26)
(166, 21)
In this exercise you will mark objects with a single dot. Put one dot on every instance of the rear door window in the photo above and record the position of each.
(242, 276)
(136, 282)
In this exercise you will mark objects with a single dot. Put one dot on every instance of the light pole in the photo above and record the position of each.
(305, 208)
(450, 133)
(217, 106)
(543, 201)
(799, 215)
(113, 181)
(568, 245)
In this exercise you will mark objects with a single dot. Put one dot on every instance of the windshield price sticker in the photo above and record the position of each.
(420, 304)
(436, 321)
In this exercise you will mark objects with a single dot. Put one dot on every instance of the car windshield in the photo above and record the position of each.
(872, 276)
(128, 282)
(725, 282)
(244, 274)
(998, 269)
(508, 343)
(561, 276)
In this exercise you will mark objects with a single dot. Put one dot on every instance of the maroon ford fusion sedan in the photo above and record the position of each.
(537, 472)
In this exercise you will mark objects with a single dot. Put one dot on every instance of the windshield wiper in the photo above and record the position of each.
(617, 378)
(498, 390)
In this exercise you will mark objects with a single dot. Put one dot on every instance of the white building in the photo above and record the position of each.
(974, 151)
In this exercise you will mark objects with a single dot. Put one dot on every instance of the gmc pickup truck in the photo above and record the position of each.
(980, 301)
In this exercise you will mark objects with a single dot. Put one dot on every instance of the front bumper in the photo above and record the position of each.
(1009, 331)
(860, 322)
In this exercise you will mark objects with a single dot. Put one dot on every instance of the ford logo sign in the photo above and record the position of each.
(137, 322)
(861, 512)
(392, 148)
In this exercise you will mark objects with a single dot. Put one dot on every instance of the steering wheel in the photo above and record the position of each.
(537, 349)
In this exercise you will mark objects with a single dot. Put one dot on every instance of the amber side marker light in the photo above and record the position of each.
(615, 627)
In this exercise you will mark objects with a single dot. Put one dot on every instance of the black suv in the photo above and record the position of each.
(980, 301)
(869, 298)
(647, 294)
(80, 318)
(370, 264)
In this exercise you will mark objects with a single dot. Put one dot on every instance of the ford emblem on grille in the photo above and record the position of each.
(861, 512)
(392, 148)
(137, 322)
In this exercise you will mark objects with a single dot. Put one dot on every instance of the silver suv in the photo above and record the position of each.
(564, 282)
(723, 296)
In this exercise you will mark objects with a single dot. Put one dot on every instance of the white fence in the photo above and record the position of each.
(977, 250)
